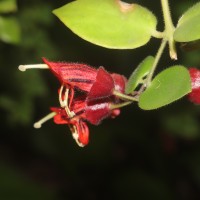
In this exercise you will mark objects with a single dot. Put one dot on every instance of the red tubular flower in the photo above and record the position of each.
(194, 96)
(92, 107)
(86, 95)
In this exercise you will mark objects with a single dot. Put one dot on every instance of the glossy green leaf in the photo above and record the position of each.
(9, 30)
(168, 86)
(139, 73)
(188, 28)
(109, 23)
(8, 6)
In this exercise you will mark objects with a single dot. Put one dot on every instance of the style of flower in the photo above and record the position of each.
(86, 95)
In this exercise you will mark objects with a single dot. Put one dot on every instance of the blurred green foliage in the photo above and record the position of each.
(139, 155)
(8, 6)
(9, 26)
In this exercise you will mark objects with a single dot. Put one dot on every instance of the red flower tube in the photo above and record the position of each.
(80, 76)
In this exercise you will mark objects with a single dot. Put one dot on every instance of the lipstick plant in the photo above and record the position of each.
(89, 95)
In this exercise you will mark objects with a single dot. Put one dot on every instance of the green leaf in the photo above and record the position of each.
(109, 23)
(139, 73)
(8, 6)
(188, 28)
(168, 86)
(9, 30)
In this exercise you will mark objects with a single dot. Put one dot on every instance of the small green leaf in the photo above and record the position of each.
(8, 6)
(168, 86)
(109, 23)
(188, 28)
(9, 30)
(139, 73)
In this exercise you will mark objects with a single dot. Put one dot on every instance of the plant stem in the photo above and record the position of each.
(115, 106)
(169, 28)
(166, 13)
(158, 34)
(157, 58)
(167, 37)
(124, 96)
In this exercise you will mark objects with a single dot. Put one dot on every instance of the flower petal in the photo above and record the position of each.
(61, 116)
(120, 82)
(95, 113)
(83, 133)
(102, 87)
(77, 75)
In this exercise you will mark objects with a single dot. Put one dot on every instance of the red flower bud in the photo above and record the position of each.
(194, 96)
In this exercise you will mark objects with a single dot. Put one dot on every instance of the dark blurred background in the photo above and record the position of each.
(140, 155)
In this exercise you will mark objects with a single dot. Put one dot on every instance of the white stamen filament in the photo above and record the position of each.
(64, 103)
(75, 135)
(39, 123)
(23, 68)
(70, 113)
